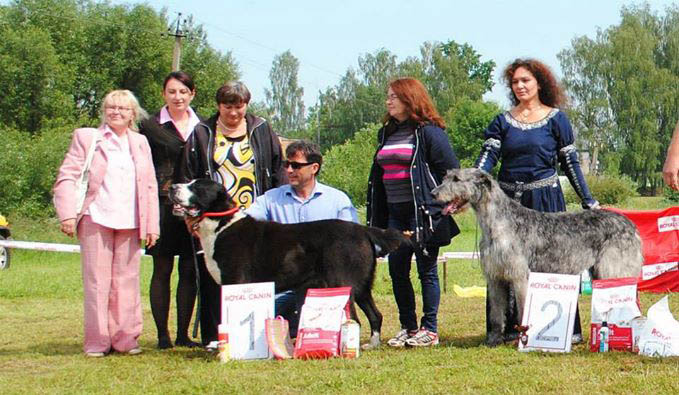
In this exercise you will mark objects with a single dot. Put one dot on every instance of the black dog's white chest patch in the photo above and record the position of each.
(209, 231)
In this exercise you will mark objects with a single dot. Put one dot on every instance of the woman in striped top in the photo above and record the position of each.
(413, 156)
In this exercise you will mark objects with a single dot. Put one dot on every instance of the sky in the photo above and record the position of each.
(327, 37)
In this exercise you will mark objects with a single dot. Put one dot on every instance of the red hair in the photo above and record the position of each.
(419, 105)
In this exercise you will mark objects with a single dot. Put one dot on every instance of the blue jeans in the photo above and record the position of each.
(402, 217)
(286, 306)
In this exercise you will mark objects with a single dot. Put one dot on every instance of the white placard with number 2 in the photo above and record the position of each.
(245, 308)
(549, 312)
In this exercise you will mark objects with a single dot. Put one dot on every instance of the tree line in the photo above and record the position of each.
(59, 58)
(624, 90)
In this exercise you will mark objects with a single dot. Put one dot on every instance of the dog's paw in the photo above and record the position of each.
(186, 343)
(494, 340)
(369, 346)
(164, 343)
(374, 342)
(511, 337)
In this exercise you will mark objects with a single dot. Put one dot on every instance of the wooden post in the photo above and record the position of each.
(177, 52)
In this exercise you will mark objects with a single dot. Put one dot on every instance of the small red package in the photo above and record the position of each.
(323, 313)
(615, 301)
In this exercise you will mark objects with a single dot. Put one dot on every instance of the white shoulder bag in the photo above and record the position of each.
(82, 182)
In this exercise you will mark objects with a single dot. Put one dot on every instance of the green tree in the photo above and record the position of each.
(466, 122)
(625, 89)
(347, 166)
(586, 81)
(450, 71)
(99, 47)
(285, 97)
(639, 87)
(34, 84)
(209, 68)
(59, 58)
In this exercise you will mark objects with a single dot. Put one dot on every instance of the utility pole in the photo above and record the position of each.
(178, 35)
(318, 119)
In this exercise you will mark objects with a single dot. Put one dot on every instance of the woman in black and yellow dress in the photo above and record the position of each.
(241, 151)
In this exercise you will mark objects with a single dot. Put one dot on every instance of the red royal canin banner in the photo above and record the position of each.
(659, 231)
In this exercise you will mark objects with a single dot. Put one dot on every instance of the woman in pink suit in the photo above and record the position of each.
(120, 209)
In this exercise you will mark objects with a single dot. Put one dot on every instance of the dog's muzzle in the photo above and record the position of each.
(180, 195)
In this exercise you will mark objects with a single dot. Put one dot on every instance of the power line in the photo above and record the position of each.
(44, 12)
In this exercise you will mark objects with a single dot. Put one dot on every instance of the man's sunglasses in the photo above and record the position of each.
(296, 165)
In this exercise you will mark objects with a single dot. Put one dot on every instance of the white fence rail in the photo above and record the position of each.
(33, 245)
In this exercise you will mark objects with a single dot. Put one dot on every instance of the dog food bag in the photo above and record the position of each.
(615, 301)
(323, 313)
(660, 335)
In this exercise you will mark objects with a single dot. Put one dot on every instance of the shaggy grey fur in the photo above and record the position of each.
(517, 240)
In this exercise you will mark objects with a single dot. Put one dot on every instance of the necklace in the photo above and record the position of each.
(229, 130)
(525, 115)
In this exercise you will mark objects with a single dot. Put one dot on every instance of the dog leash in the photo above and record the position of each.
(195, 264)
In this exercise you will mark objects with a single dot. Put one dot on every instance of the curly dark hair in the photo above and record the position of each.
(550, 92)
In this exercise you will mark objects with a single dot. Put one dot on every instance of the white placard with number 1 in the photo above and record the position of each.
(245, 308)
(549, 312)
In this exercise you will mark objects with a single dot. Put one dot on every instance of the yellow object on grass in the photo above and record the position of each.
(3, 221)
(469, 292)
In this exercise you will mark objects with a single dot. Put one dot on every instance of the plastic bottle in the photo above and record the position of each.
(223, 347)
(604, 331)
(585, 283)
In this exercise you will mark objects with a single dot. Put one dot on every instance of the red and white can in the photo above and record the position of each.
(350, 339)
(223, 345)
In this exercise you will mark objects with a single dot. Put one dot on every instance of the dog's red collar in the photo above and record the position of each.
(220, 213)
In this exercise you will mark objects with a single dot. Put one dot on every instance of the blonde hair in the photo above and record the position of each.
(124, 96)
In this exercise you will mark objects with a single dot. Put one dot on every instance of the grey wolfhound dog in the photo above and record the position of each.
(517, 240)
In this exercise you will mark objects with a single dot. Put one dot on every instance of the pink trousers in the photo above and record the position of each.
(110, 261)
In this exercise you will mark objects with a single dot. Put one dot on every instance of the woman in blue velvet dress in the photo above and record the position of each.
(530, 141)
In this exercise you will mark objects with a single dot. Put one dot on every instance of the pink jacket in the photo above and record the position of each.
(69, 172)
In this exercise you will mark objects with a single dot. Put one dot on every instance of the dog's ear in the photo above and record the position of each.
(220, 199)
(202, 195)
(484, 178)
(453, 175)
(209, 195)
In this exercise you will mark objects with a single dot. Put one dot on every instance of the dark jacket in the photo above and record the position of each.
(432, 158)
(166, 148)
(197, 158)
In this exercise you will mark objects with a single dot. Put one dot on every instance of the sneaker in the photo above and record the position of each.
(577, 339)
(134, 351)
(94, 354)
(399, 340)
(212, 346)
(423, 338)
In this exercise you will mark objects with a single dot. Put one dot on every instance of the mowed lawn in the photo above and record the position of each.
(41, 346)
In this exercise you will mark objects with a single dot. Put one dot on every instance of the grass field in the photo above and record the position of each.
(41, 345)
